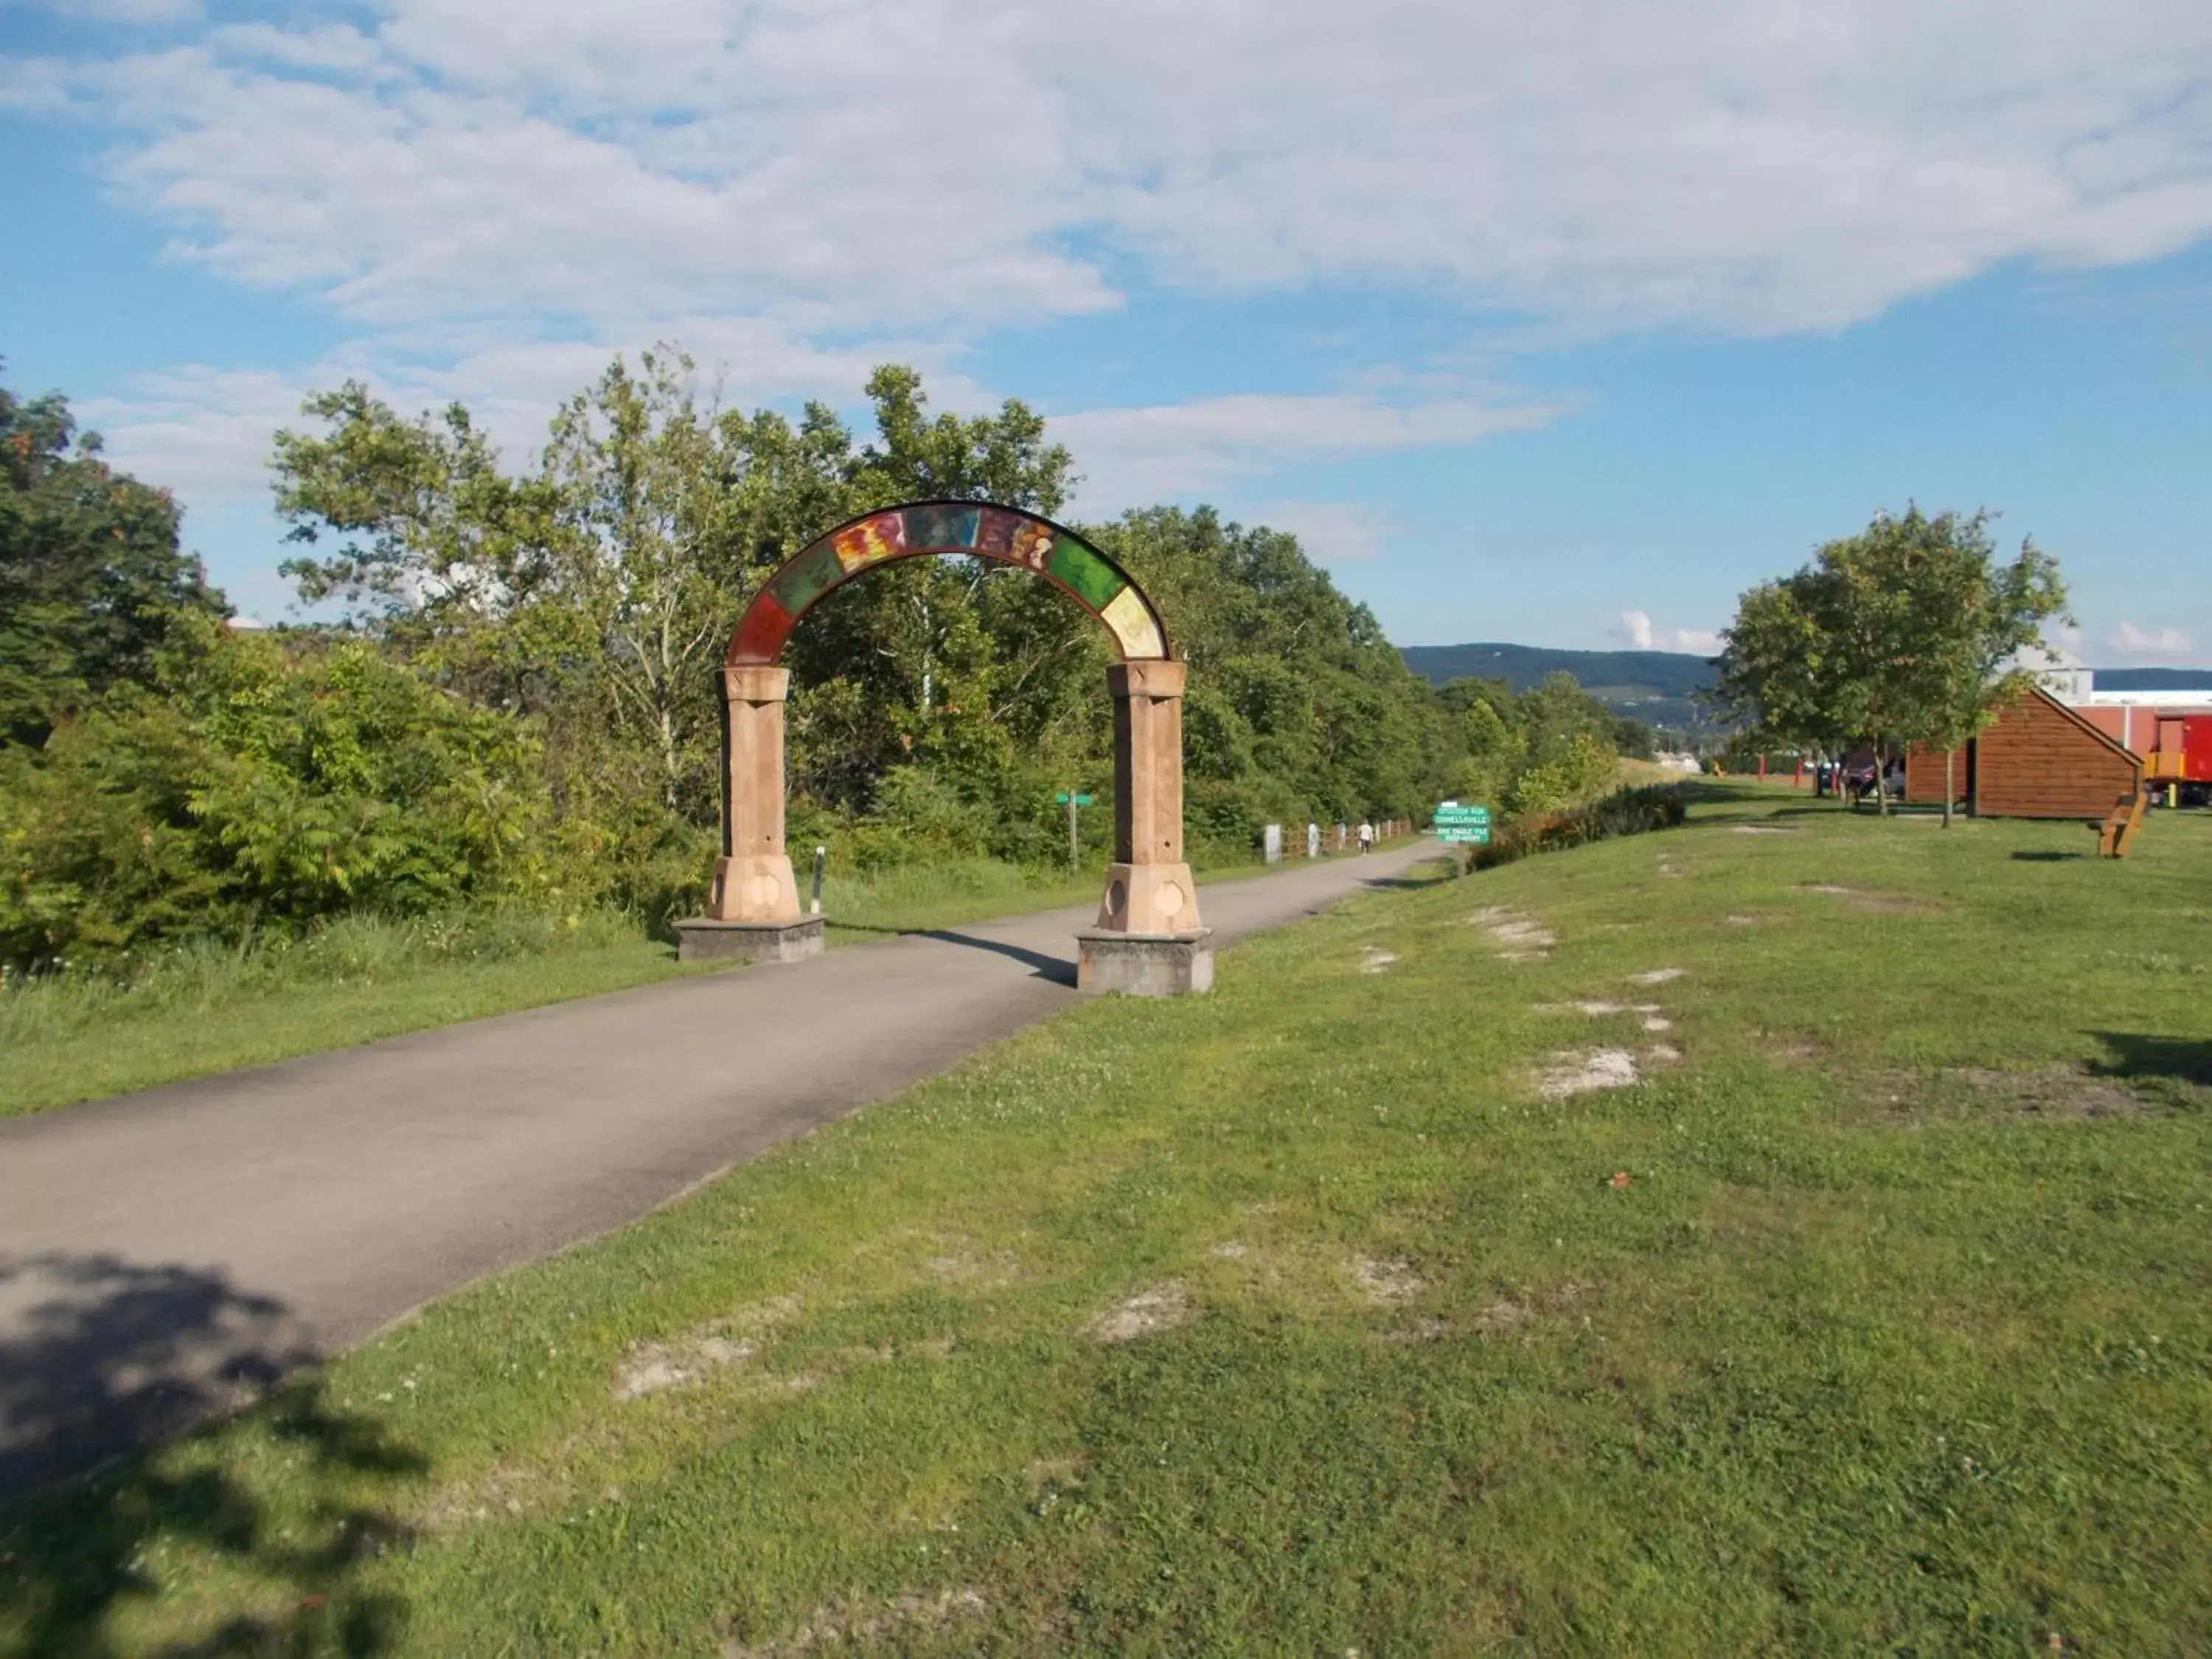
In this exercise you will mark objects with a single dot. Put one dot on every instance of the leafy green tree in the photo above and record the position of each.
(1974, 620)
(603, 585)
(1897, 635)
(92, 581)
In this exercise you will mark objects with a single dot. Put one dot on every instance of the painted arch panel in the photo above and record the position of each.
(976, 529)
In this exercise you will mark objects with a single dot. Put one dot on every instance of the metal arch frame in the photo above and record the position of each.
(766, 627)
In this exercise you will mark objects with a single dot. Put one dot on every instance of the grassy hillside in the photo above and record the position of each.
(1785, 1234)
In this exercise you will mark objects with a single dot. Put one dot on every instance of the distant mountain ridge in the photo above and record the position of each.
(1610, 675)
(2152, 680)
(1660, 686)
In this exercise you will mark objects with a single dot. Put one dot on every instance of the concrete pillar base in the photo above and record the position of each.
(1145, 964)
(702, 938)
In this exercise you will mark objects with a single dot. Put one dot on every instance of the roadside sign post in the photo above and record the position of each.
(820, 854)
(1463, 825)
(1071, 800)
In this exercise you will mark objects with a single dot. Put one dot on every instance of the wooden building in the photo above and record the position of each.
(2039, 759)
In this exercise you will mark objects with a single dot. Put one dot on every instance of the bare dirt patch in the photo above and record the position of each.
(653, 1367)
(1763, 830)
(1511, 1314)
(1581, 1074)
(1519, 938)
(1386, 1283)
(1374, 959)
(1158, 1308)
(1745, 919)
(1656, 975)
(834, 1624)
(1586, 1072)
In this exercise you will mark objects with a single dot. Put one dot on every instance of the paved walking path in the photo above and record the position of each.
(168, 1253)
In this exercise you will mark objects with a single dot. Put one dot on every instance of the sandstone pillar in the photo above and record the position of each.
(753, 882)
(1149, 890)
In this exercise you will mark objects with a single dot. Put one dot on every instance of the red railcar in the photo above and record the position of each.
(2180, 762)
(2173, 735)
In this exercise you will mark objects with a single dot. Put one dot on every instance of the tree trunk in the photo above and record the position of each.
(1880, 782)
(1950, 760)
(669, 767)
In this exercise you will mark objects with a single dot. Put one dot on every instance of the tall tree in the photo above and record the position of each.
(92, 581)
(1971, 623)
(1906, 634)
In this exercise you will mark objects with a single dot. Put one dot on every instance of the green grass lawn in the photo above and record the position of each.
(210, 1010)
(1313, 1317)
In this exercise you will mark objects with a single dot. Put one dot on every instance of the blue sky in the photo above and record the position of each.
(1561, 324)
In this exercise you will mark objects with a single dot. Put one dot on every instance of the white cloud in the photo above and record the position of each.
(499, 194)
(1162, 451)
(201, 432)
(333, 46)
(1752, 165)
(2130, 640)
(1335, 533)
(205, 432)
(1637, 630)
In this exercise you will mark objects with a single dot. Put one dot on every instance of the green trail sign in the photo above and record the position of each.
(1063, 798)
(1466, 824)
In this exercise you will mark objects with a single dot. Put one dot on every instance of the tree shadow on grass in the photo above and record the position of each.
(2155, 1059)
(2047, 858)
(99, 1360)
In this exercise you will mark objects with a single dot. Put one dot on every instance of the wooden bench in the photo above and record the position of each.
(2117, 831)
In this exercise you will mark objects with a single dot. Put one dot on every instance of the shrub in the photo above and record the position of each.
(264, 787)
(1624, 812)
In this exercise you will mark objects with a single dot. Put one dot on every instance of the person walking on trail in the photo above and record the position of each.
(1366, 836)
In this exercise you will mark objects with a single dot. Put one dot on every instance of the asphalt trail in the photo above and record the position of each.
(168, 1255)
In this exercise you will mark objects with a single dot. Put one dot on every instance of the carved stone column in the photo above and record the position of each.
(1148, 886)
(1148, 940)
(753, 882)
(753, 911)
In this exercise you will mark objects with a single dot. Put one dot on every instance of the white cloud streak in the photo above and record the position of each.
(1135, 455)
(1748, 165)
(2130, 640)
(1335, 533)
(497, 194)
(1637, 631)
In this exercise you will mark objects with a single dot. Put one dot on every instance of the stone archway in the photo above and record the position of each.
(1147, 937)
